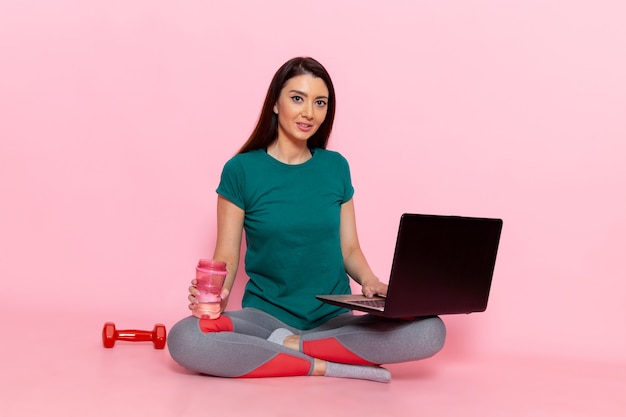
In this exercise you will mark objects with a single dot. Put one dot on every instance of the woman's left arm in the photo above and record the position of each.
(355, 263)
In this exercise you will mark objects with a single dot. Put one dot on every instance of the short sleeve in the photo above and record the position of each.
(347, 179)
(232, 183)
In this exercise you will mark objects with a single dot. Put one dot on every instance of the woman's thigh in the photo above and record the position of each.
(380, 340)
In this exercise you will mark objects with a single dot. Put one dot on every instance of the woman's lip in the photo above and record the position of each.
(304, 126)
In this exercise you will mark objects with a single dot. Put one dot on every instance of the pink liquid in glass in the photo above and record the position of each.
(210, 276)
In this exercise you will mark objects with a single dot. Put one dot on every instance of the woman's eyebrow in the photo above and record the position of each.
(302, 93)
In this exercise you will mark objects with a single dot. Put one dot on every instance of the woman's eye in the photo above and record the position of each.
(297, 99)
(320, 103)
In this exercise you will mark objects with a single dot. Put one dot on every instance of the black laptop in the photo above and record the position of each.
(441, 265)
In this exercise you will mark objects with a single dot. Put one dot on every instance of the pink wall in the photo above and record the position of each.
(116, 117)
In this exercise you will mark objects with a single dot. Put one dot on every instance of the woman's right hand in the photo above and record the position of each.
(193, 292)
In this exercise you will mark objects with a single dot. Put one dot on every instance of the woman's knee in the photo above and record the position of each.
(434, 335)
(182, 341)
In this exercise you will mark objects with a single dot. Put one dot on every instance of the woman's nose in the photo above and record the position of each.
(307, 110)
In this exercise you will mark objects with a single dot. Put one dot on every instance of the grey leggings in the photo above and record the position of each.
(242, 351)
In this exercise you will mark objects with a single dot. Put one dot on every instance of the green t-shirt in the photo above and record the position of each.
(292, 215)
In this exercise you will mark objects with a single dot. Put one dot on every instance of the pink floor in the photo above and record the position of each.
(54, 368)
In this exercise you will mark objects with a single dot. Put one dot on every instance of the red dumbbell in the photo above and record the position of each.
(156, 336)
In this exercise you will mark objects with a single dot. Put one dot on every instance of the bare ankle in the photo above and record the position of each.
(319, 367)
(292, 342)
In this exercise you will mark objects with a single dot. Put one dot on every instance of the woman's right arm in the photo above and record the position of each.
(228, 245)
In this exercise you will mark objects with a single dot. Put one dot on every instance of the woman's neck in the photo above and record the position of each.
(289, 153)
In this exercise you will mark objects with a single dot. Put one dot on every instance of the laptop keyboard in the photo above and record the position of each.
(378, 303)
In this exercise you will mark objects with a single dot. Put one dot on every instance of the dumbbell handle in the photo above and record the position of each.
(134, 335)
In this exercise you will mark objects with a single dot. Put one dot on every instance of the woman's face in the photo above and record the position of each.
(301, 107)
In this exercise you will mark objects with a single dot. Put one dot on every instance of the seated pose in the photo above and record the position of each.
(293, 198)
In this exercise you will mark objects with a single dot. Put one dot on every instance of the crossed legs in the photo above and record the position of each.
(237, 346)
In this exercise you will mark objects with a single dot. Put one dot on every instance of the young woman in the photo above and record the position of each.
(294, 200)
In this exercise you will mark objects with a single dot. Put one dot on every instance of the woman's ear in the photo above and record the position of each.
(276, 108)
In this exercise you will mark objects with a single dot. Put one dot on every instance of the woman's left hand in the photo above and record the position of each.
(372, 288)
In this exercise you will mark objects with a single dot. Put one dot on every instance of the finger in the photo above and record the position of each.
(193, 290)
(382, 290)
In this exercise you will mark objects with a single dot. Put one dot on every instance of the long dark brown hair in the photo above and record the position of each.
(266, 130)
